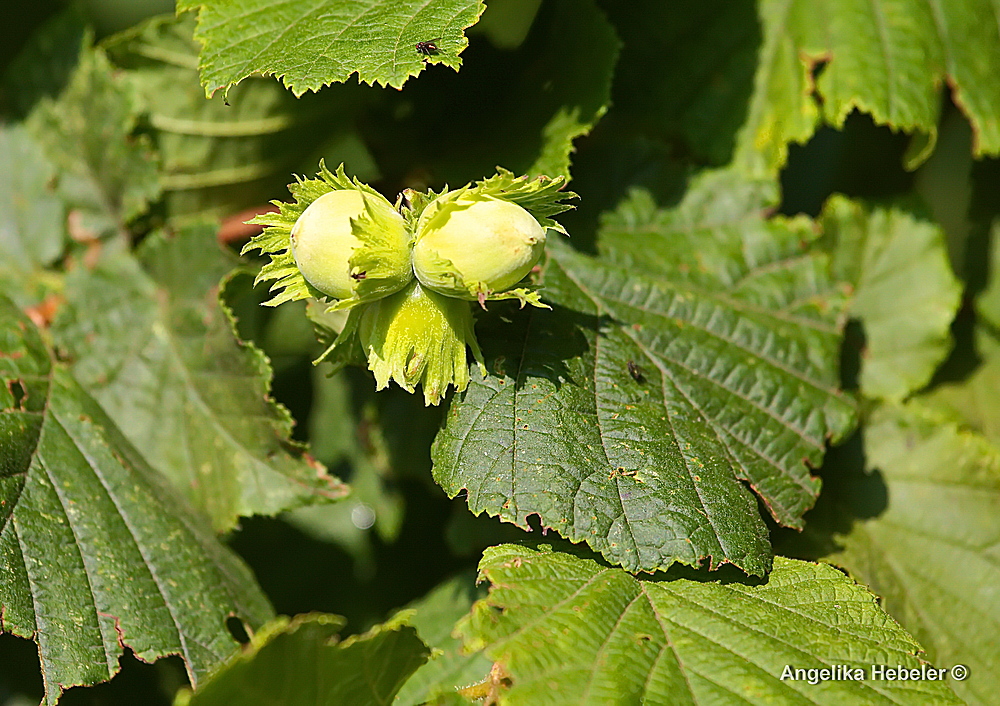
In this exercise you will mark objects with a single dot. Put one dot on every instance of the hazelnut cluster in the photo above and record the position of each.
(408, 272)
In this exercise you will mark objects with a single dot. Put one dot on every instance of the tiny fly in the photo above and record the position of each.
(635, 371)
(358, 276)
(428, 48)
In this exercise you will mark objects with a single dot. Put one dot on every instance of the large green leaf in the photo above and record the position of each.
(700, 352)
(434, 618)
(96, 552)
(313, 43)
(920, 527)
(150, 342)
(32, 225)
(301, 661)
(686, 71)
(905, 293)
(107, 175)
(575, 90)
(218, 157)
(569, 630)
(888, 58)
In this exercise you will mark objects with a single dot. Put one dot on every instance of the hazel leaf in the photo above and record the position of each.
(888, 59)
(106, 174)
(698, 353)
(97, 551)
(582, 55)
(916, 501)
(905, 293)
(449, 668)
(222, 156)
(149, 340)
(567, 629)
(301, 660)
(309, 44)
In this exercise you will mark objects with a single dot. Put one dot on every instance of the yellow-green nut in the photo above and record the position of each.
(347, 237)
(473, 244)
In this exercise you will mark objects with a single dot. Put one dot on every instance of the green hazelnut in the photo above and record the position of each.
(349, 240)
(470, 245)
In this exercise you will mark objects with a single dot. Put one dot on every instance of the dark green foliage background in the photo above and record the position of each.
(705, 164)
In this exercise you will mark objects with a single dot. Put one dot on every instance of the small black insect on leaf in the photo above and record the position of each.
(358, 276)
(428, 48)
(635, 371)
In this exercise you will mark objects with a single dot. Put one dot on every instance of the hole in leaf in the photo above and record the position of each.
(237, 629)
(818, 67)
(534, 522)
(18, 392)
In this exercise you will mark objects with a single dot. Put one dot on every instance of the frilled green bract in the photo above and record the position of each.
(417, 336)
(479, 241)
(379, 266)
